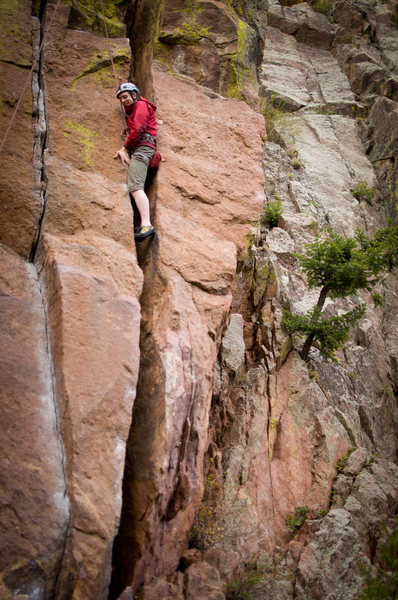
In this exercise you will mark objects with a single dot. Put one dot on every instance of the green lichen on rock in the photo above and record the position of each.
(101, 64)
(85, 137)
(190, 31)
(100, 17)
(237, 6)
(192, 8)
(240, 71)
(36, 7)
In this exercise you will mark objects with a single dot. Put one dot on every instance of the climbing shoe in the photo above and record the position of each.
(141, 233)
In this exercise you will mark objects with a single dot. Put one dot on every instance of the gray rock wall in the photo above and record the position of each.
(278, 428)
(77, 296)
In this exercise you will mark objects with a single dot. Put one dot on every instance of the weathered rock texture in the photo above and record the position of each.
(70, 368)
(34, 507)
(204, 207)
(167, 362)
(208, 42)
(277, 427)
(20, 194)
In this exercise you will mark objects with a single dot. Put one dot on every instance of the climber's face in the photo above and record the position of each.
(126, 98)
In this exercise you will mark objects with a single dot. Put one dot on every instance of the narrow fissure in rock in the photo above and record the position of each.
(40, 145)
(129, 545)
(40, 142)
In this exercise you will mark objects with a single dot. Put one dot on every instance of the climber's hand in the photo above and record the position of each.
(124, 156)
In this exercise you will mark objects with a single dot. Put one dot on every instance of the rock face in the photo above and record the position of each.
(208, 42)
(19, 195)
(87, 293)
(71, 323)
(278, 428)
(203, 206)
(33, 484)
(160, 428)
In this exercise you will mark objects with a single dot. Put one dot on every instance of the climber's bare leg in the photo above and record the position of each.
(142, 202)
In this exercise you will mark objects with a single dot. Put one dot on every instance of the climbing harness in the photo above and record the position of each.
(147, 137)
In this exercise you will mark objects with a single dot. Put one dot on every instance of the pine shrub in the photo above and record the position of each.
(341, 267)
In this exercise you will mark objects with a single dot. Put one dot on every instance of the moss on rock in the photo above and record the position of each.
(241, 67)
(190, 31)
(99, 17)
(85, 138)
(101, 63)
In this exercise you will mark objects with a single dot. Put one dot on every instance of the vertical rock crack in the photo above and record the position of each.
(40, 141)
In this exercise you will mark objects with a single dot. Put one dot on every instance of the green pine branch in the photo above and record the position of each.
(341, 267)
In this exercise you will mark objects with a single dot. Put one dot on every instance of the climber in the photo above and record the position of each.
(138, 151)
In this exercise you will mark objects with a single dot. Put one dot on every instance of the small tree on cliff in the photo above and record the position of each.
(341, 267)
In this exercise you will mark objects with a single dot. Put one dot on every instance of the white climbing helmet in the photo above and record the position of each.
(127, 87)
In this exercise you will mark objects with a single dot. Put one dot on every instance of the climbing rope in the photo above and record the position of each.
(122, 113)
(27, 80)
(108, 41)
(36, 58)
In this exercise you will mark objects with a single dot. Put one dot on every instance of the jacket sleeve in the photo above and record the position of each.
(137, 123)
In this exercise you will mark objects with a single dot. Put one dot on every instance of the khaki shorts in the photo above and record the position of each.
(138, 167)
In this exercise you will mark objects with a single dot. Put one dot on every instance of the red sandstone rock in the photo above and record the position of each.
(283, 444)
(20, 204)
(34, 508)
(204, 204)
(202, 582)
(212, 152)
(208, 43)
(94, 321)
(91, 283)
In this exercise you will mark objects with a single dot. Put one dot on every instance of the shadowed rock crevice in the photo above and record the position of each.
(41, 129)
(131, 541)
(74, 229)
(229, 431)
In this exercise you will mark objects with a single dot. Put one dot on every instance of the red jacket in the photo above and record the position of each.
(141, 120)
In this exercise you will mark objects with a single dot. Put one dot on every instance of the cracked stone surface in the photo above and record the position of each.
(111, 361)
